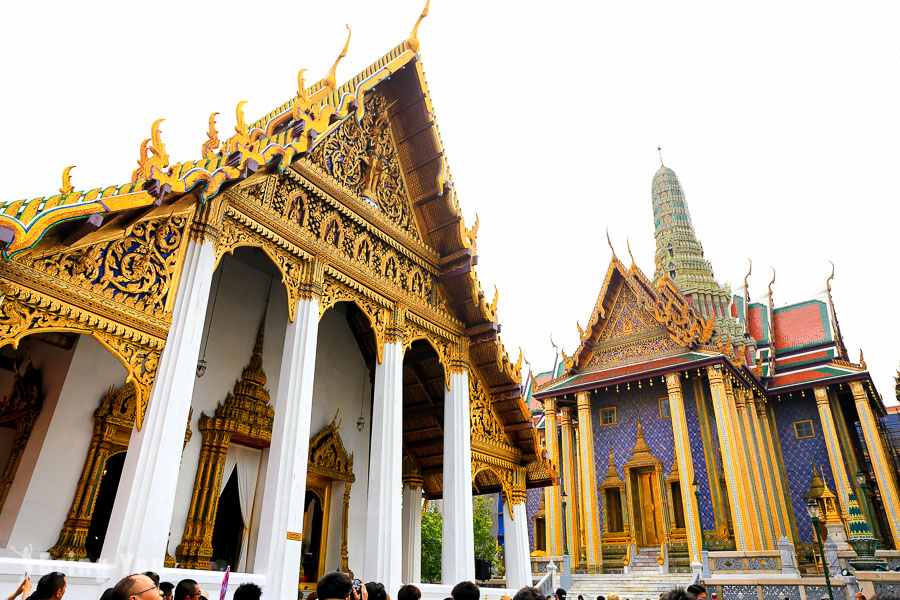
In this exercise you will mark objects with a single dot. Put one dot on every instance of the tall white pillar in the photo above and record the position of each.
(458, 552)
(139, 524)
(515, 537)
(383, 530)
(412, 533)
(281, 523)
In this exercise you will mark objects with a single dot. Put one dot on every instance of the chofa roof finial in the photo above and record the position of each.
(66, 182)
(771, 283)
(331, 78)
(609, 241)
(749, 273)
(413, 40)
(628, 244)
(830, 277)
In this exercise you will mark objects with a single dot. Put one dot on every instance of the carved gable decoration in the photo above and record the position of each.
(628, 317)
(362, 157)
(327, 455)
(487, 431)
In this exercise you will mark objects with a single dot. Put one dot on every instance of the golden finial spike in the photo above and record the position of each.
(494, 301)
(659, 149)
(862, 361)
(771, 283)
(211, 144)
(413, 40)
(331, 78)
(609, 241)
(241, 126)
(66, 182)
(552, 343)
(301, 84)
(830, 277)
(749, 273)
(628, 244)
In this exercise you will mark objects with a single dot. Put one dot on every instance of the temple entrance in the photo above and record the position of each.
(228, 532)
(103, 505)
(647, 507)
(315, 529)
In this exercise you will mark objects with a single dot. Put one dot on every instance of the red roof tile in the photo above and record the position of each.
(801, 325)
(755, 321)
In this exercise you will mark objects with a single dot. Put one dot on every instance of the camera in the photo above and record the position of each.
(356, 586)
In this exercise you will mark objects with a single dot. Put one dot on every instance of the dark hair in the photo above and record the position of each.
(247, 591)
(679, 593)
(153, 576)
(106, 595)
(600, 598)
(409, 592)
(185, 588)
(166, 588)
(376, 591)
(560, 593)
(529, 593)
(48, 585)
(465, 590)
(334, 586)
(696, 589)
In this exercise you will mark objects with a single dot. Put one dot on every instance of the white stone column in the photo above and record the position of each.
(139, 525)
(281, 522)
(383, 520)
(458, 552)
(515, 537)
(412, 533)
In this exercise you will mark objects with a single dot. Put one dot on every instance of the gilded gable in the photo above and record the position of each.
(362, 157)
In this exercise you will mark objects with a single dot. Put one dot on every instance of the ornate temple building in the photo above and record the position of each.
(692, 418)
(265, 358)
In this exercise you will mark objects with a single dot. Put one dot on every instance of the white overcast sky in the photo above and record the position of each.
(782, 120)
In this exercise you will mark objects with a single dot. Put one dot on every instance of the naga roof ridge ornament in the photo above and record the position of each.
(211, 145)
(771, 283)
(413, 40)
(331, 78)
(628, 244)
(749, 273)
(153, 155)
(609, 241)
(830, 277)
(66, 181)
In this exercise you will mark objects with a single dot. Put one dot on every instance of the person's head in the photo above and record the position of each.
(465, 590)
(167, 588)
(136, 587)
(187, 589)
(580, 597)
(409, 592)
(698, 591)
(600, 598)
(612, 597)
(313, 595)
(529, 593)
(108, 594)
(376, 591)
(247, 591)
(678, 593)
(560, 594)
(334, 586)
(153, 577)
(51, 586)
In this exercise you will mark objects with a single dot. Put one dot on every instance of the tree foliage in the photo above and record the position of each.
(432, 535)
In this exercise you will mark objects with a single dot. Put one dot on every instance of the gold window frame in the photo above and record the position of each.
(797, 430)
(615, 420)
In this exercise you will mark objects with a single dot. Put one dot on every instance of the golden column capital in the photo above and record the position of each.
(821, 394)
(583, 401)
(565, 416)
(715, 374)
(550, 406)
(673, 382)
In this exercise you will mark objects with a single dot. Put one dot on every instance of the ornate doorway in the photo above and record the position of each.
(647, 507)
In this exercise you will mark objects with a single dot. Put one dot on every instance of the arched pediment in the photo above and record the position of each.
(327, 455)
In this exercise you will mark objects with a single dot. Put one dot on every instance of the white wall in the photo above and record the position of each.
(238, 310)
(68, 426)
(340, 384)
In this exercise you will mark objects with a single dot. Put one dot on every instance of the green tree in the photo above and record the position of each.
(432, 534)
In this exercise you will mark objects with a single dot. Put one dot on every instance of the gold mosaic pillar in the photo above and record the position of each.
(730, 450)
(588, 475)
(685, 466)
(554, 503)
(767, 535)
(572, 525)
(879, 457)
(748, 496)
(835, 456)
(770, 490)
(776, 465)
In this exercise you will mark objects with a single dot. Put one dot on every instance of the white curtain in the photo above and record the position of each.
(246, 461)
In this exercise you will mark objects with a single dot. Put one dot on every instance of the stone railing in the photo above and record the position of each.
(563, 564)
(766, 561)
(732, 587)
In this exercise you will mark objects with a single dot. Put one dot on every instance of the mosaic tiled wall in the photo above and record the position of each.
(630, 404)
(532, 503)
(695, 435)
(801, 455)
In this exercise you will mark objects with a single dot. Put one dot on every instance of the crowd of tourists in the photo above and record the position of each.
(333, 586)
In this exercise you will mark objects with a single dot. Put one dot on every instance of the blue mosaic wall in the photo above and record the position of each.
(532, 503)
(630, 404)
(800, 456)
(707, 512)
